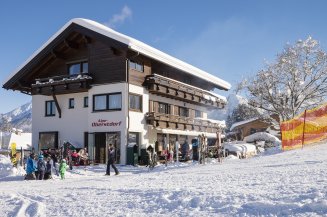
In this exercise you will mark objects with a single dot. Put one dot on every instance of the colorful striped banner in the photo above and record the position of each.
(307, 128)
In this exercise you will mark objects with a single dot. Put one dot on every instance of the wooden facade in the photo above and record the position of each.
(249, 128)
(169, 121)
(180, 91)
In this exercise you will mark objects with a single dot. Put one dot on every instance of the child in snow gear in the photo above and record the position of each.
(111, 160)
(62, 168)
(41, 167)
(30, 168)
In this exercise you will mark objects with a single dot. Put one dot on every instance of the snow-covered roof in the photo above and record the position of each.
(190, 133)
(221, 124)
(263, 137)
(22, 140)
(135, 45)
(242, 122)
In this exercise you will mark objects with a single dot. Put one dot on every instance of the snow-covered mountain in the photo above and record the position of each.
(233, 101)
(21, 117)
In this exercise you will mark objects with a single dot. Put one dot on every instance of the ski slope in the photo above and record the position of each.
(292, 183)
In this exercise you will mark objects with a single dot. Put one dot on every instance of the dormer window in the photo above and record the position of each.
(78, 68)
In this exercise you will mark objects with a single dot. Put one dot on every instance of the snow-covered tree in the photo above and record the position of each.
(240, 113)
(296, 81)
(5, 125)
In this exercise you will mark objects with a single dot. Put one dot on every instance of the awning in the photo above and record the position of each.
(190, 133)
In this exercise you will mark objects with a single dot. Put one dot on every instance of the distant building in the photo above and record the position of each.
(22, 140)
(92, 86)
(241, 129)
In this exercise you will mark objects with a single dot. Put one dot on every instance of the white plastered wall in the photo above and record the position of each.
(72, 124)
(137, 121)
(119, 117)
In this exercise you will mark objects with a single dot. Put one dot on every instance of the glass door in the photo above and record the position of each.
(90, 146)
(114, 138)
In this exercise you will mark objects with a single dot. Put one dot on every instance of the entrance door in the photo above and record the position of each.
(100, 147)
(114, 139)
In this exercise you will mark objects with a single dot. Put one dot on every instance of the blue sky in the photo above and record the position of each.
(230, 39)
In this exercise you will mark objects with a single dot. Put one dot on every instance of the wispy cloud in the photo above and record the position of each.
(118, 19)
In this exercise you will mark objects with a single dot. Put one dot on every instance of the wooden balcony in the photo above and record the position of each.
(62, 84)
(170, 88)
(167, 121)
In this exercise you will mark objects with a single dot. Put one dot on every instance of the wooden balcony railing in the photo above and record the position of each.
(163, 121)
(62, 84)
(170, 88)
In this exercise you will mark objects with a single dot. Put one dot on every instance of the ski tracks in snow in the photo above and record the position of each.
(27, 205)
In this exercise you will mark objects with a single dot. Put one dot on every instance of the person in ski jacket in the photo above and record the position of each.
(185, 149)
(62, 168)
(30, 167)
(111, 160)
(48, 170)
(41, 167)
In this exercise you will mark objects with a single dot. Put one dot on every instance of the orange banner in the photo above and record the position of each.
(307, 128)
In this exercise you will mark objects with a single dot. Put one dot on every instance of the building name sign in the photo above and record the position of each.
(105, 123)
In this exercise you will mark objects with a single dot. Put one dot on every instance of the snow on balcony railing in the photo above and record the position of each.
(208, 96)
(65, 78)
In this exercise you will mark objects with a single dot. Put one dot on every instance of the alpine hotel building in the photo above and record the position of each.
(92, 86)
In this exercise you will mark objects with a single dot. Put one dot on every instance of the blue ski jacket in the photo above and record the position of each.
(31, 166)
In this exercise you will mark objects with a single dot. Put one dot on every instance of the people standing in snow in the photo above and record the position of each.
(62, 168)
(54, 157)
(171, 155)
(185, 149)
(195, 150)
(111, 160)
(84, 156)
(75, 157)
(30, 168)
(48, 171)
(41, 167)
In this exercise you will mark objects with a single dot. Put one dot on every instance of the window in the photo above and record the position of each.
(135, 102)
(198, 114)
(99, 102)
(183, 112)
(86, 102)
(78, 68)
(136, 65)
(48, 140)
(50, 108)
(106, 102)
(133, 139)
(71, 103)
(114, 101)
(163, 108)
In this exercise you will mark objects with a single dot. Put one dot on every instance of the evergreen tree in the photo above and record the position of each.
(5, 125)
(241, 113)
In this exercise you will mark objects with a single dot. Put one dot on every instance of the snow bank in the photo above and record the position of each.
(6, 168)
(241, 149)
(262, 136)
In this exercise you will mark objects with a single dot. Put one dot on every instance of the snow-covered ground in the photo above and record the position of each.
(292, 183)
